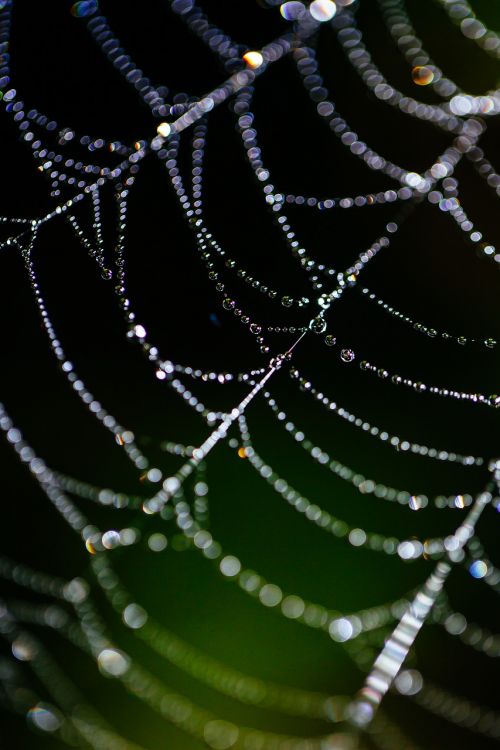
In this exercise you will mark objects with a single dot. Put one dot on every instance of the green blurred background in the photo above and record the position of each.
(430, 272)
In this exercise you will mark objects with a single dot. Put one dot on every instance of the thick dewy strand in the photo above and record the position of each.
(393, 655)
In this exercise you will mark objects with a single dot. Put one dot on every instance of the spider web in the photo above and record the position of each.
(93, 182)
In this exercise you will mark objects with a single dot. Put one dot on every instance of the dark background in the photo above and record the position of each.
(430, 273)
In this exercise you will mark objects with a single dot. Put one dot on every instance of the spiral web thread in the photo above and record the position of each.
(72, 611)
